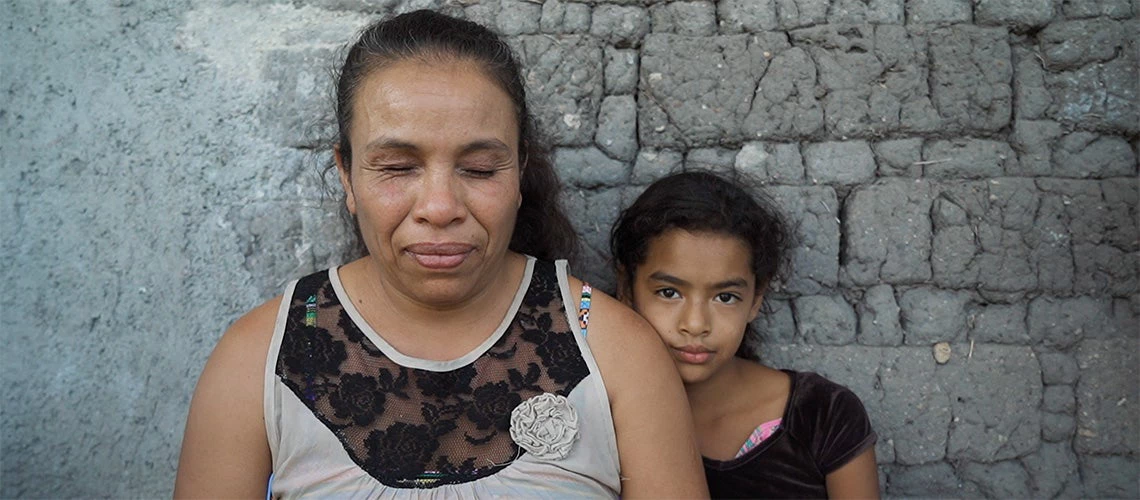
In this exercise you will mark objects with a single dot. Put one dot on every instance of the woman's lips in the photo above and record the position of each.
(695, 355)
(439, 255)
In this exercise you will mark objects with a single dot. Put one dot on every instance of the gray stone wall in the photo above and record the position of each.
(962, 175)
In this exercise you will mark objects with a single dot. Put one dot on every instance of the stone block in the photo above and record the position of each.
(923, 481)
(1107, 397)
(1057, 427)
(930, 315)
(1084, 154)
(999, 324)
(1110, 476)
(1012, 237)
(1021, 14)
(691, 18)
(888, 232)
(1031, 96)
(872, 80)
(285, 239)
(653, 164)
(916, 405)
(1097, 96)
(1034, 141)
(1117, 9)
(797, 13)
(563, 17)
(879, 317)
(620, 25)
(1073, 44)
(617, 127)
(1121, 197)
(784, 104)
(775, 324)
(775, 163)
(621, 71)
(967, 158)
(1005, 479)
(899, 157)
(995, 400)
(563, 77)
(1058, 368)
(299, 83)
(713, 159)
(938, 11)
(696, 91)
(848, 162)
(592, 212)
(589, 167)
(518, 17)
(823, 319)
(872, 11)
(739, 16)
(1101, 268)
(1062, 322)
(1051, 470)
(1058, 399)
(971, 95)
(811, 213)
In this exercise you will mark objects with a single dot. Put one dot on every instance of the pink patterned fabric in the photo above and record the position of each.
(764, 431)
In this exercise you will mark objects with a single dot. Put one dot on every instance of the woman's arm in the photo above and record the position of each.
(858, 478)
(225, 451)
(656, 446)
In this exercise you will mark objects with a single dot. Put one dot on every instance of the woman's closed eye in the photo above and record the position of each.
(479, 172)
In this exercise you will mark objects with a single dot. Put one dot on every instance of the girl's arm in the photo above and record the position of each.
(225, 451)
(858, 478)
(657, 449)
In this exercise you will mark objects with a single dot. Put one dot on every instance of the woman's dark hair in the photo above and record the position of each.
(700, 201)
(542, 228)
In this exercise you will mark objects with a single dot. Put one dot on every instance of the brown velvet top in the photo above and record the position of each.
(824, 426)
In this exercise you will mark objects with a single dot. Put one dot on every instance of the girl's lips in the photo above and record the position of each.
(694, 355)
(440, 255)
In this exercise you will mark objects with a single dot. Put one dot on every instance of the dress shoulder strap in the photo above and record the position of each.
(584, 308)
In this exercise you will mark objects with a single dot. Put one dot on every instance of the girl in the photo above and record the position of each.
(694, 255)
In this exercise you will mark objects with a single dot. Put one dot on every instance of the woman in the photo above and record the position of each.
(446, 361)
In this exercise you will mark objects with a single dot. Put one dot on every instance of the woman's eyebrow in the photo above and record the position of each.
(382, 143)
(483, 145)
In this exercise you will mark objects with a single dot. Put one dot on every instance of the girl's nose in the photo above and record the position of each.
(695, 321)
(440, 199)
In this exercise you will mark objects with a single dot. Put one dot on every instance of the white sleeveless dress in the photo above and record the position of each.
(525, 414)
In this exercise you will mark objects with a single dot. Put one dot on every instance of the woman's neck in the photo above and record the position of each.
(436, 331)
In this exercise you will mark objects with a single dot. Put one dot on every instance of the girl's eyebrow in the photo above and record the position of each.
(673, 280)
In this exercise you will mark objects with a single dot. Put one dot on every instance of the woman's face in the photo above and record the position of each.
(434, 179)
(699, 293)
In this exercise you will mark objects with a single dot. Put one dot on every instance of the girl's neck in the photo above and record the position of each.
(721, 386)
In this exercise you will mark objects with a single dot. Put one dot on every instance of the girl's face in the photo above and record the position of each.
(699, 293)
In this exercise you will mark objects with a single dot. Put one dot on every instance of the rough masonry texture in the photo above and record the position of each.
(959, 172)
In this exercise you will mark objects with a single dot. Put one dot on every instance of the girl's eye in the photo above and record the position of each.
(727, 298)
(668, 293)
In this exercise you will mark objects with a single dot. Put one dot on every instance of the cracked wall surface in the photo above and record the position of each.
(961, 174)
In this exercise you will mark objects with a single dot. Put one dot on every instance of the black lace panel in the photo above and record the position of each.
(413, 428)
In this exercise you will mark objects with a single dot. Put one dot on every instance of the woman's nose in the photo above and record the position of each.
(440, 199)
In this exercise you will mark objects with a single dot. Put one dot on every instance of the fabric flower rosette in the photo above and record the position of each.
(545, 425)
